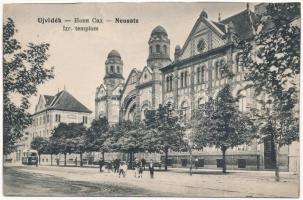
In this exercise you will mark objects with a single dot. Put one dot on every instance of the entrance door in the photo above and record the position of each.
(269, 153)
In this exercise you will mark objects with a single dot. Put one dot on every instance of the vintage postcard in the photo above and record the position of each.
(197, 99)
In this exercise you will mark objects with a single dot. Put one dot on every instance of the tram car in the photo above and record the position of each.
(29, 157)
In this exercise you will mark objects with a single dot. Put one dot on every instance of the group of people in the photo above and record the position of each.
(120, 167)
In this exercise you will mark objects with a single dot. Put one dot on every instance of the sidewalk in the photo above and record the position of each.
(194, 170)
(177, 170)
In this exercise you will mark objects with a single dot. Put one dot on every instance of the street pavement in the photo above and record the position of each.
(76, 181)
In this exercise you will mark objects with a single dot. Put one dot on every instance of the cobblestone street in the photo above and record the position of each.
(73, 181)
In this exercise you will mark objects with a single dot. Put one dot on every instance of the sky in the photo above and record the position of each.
(79, 57)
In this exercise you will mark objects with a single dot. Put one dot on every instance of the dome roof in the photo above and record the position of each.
(113, 53)
(203, 14)
(159, 30)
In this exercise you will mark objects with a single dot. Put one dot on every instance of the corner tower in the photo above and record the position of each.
(113, 71)
(159, 48)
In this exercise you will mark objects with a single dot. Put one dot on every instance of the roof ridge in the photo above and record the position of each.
(228, 18)
(55, 100)
(61, 101)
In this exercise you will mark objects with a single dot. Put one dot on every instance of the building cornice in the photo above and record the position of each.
(197, 57)
(51, 109)
(148, 84)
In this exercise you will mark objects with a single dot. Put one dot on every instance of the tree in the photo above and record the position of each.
(40, 144)
(23, 71)
(131, 140)
(69, 138)
(52, 148)
(79, 143)
(97, 135)
(222, 125)
(164, 131)
(272, 67)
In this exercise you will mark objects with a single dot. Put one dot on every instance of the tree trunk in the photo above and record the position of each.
(277, 172)
(51, 159)
(166, 158)
(130, 159)
(81, 162)
(64, 159)
(223, 159)
(190, 162)
(103, 155)
(39, 158)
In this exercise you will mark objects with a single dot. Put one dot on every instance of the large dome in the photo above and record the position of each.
(113, 53)
(159, 30)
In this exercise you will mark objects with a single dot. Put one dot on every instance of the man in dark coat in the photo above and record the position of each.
(143, 163)
(151, 169)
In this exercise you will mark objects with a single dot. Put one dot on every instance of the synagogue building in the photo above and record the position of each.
(188, 81)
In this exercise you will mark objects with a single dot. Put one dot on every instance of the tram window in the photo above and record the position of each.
(33, 154)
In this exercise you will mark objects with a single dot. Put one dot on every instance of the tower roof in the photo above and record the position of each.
(113, 53)
(159, 30)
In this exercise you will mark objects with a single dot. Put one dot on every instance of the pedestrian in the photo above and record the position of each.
(136, 165)
(101, 163)
(143, 163)
(116, 165)
(109, 167)
(151, 169)
(122, 169)
(140, 167)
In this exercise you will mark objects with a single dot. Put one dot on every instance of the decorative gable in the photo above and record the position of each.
(41, 104)
(101, 92)
(131, 82)
(204, 36)
(146, 75)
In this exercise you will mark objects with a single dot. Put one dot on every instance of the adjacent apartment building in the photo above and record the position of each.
(49, 112)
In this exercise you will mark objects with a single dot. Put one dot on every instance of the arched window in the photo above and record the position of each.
(237, 63)
(171, 83)
(217, 70)
(240, 61)
(185, 79)
(118, 69)
(111, 69)
(158, 48)
(182, 81)
(165, 48)
(202, 74)
(184, 110)
(167, 83)
(198, 75)
(223, 68)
